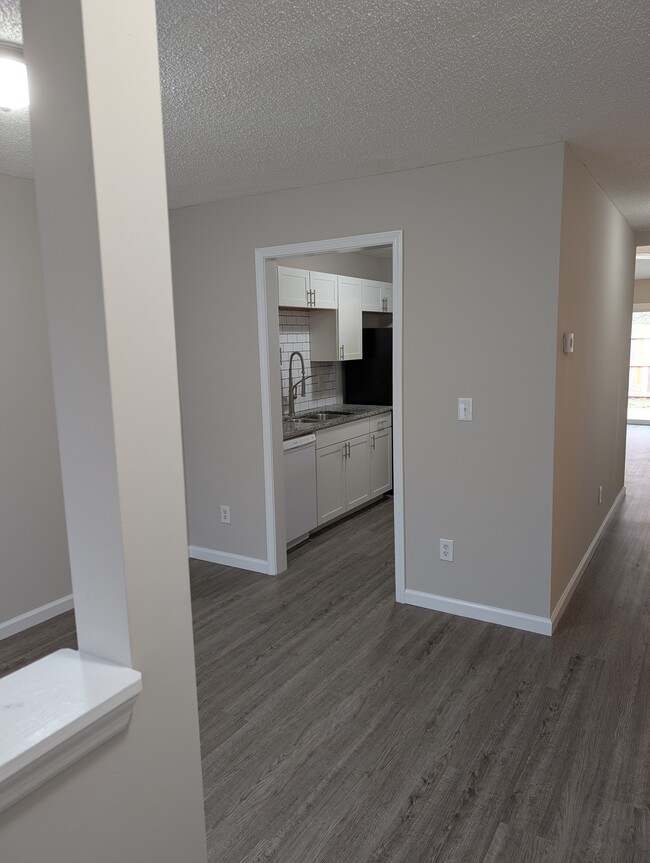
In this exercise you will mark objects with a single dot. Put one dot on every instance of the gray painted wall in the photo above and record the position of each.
(642, 291)
(595, 302)
(481, 262)
(35, 566)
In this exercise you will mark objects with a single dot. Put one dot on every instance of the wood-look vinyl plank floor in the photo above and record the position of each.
(339, 727)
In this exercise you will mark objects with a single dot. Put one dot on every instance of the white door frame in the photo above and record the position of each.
(268, 334)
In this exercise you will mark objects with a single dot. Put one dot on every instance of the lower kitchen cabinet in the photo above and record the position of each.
(381, 462)
(357, 474)
(342, 477)
(330, 481)
(353, 465)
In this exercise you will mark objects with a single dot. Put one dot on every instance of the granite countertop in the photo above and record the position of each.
(291, 429)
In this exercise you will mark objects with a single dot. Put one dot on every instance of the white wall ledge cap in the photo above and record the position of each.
(55, 711)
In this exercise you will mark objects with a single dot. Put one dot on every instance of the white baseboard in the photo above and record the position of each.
(239, 561)
(563, 601)
(486, 613)
(36, 615)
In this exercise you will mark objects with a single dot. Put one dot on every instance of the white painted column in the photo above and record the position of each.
(100, 184)
(101, 195)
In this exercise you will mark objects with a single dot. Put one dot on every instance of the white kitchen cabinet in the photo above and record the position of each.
(342, 477)
(376, 296)
(324, 290)
(342, 469)
(381, 461)
(350, 319)
(354, 465)
(357, 473)
(339, 335)
(307, 289)
(293, 287)
(330, 481)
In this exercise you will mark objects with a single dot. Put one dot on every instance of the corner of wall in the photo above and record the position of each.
(595, 303)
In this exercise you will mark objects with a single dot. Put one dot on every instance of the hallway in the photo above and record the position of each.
(339, 727)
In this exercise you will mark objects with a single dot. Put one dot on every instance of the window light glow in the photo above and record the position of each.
(14, 92)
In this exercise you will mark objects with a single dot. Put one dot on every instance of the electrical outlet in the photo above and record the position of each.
(600, 494)
(446, 549)
(225, 514)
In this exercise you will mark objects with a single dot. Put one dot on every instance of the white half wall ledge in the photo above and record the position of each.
(563, 601)
(36, 615)
(476, 611)
(238, 561)
(55, 711)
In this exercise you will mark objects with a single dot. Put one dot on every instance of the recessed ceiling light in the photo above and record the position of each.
(14, 92)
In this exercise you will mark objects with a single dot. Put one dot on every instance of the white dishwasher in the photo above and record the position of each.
(300, 487)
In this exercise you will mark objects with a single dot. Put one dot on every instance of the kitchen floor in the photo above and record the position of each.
(339, 727)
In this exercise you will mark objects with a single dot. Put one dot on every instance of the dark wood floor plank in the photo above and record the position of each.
(515, 846)
(338, 727)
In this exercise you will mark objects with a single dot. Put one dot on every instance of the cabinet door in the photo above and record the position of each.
(357, 472)
(371, 295)
(387, 297)
(350, 319)
(330, 481)
(293, 285)
(381, 462)
(324, 290)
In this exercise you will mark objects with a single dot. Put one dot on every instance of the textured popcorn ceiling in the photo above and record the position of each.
(268, 94)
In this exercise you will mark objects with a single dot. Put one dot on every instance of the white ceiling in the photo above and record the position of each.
(268, 94)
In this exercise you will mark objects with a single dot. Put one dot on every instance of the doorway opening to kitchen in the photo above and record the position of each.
(300, 410)
(638, 406)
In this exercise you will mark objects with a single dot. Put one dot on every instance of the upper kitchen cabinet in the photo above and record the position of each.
(324, 290)
(339, 335)
(293, 287)
(350, 323)
(377, 296)
(306, 289)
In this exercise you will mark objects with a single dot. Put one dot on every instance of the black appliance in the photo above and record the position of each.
(370, 381)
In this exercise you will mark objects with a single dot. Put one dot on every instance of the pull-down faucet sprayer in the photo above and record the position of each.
(292, 386)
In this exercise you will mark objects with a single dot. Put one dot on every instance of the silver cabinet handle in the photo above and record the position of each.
(349, 452)
(373, 441)
(342, 352)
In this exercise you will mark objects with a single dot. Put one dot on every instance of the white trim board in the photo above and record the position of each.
(267, 301)
(238, 561)
(563, 601)
(61, 707)
(36, 615)
(476, 611)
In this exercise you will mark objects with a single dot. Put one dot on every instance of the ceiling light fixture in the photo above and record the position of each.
(14, 92)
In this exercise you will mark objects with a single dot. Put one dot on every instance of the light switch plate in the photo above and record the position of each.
(464, 409)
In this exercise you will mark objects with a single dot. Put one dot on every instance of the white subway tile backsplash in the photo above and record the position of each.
(320, 390)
